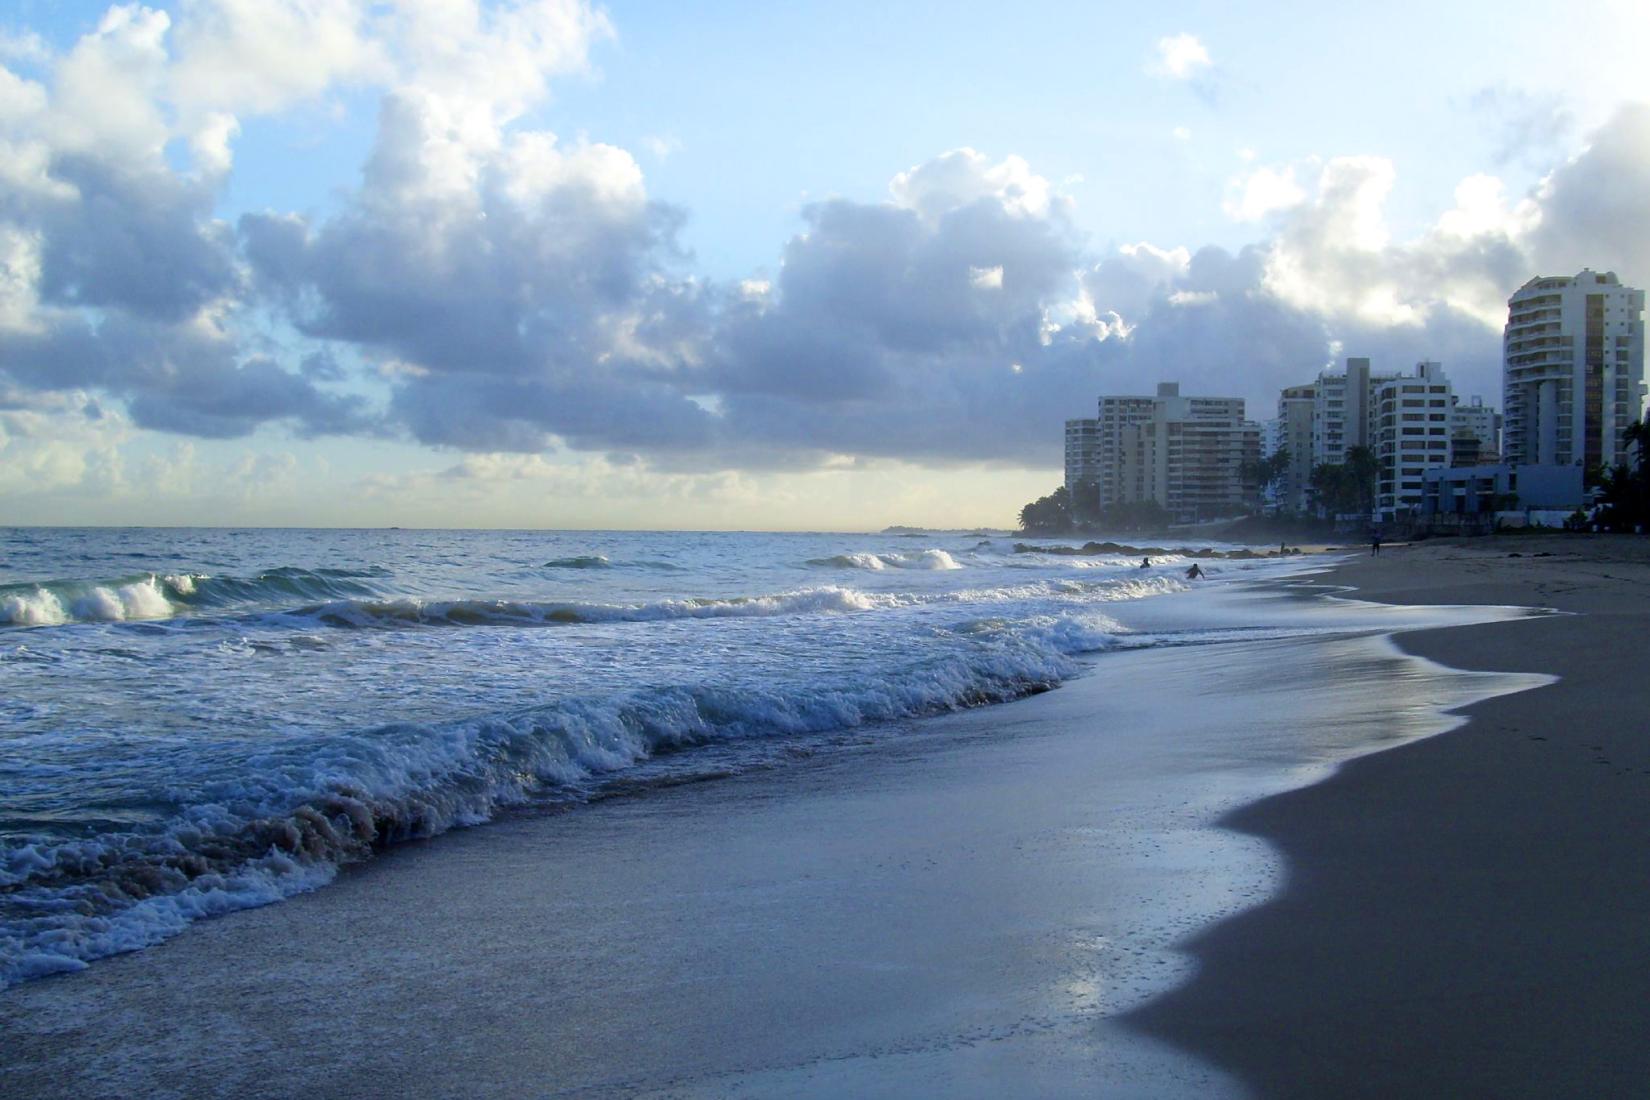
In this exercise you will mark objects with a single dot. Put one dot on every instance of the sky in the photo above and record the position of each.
(544, 263)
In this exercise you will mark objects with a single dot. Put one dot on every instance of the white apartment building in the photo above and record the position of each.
(1116, 415)
(1294, 435)
(1082, 456)
(1572, 370)
(1410, 427)
(1407, 423)
(1186, 454)
(1340, 413)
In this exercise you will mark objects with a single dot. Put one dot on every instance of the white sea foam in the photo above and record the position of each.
(410, 611)
(119, 603)
(287, 819)
(927, 559)
(53, 605)
(182, 775)
(37, 608)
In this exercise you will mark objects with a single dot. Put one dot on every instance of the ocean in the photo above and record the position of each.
(194, 722)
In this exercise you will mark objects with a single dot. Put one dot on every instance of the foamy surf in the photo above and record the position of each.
(290, 818)
(119, 601)
(876, 563)
(253, 710)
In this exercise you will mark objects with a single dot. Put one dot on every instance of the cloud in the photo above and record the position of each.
(134, 238)
(662, 146)
(963, 177)
(1591, 209)
(259, 56)
(1255, 195)
(114, 272)
(1180, 57)
(525, 289)
(62, 442)
(496, 289)
(24, 46)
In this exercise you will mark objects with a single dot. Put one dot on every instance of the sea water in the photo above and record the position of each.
(198, 721)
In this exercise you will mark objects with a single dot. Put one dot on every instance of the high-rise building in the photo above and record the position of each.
(1295, 408)
(1340, 413)
(1409, 432)
(1406, 422)
(1082, 456)
(1573, 370)
(1191, 456)
(1116, 415)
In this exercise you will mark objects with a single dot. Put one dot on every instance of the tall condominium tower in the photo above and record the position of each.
(1573, 370)
(1191, 456)
(1405, 421)
(1340, 413)
(1083, 459)
(1295, 408)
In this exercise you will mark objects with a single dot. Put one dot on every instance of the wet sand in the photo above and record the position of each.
(1467, 915)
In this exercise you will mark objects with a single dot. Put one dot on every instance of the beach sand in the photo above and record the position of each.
(964, 908)
(1467, 915)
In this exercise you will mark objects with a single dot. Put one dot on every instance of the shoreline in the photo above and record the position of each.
(1467, 914)
(966, 912)
(962, 908)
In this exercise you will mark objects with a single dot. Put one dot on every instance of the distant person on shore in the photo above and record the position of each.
(1194, 572)
(1145, 563)
(1375, 543)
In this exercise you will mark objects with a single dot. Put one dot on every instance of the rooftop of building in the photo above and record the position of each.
(1585, 277)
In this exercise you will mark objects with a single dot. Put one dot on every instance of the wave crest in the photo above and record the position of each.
(294, 814)
(163, 596)
(927, 559)
(410, 611)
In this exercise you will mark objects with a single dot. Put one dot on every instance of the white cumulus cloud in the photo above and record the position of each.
(1180, 57)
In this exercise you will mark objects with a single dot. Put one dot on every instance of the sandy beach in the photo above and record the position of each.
(1466, 915)
(970, 908)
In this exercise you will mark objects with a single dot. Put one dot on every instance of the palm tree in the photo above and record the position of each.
(1361, 468)
(1637, 437)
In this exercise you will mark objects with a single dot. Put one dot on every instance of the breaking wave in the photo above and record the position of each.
(163, 596)
(55, 603)
(927, 559)
(284, 819)
(409, 611)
